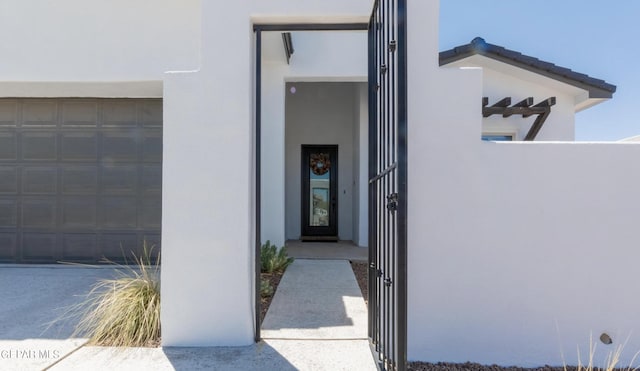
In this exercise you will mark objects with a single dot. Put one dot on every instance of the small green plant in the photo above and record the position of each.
(274, 259)
(266, 289)
(124, 311)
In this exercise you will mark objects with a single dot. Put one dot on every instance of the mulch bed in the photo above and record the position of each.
(274, 280)
(360, 269)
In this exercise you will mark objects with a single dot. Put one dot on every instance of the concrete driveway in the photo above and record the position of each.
(31, 297)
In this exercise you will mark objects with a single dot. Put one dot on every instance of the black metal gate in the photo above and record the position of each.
(388, 183)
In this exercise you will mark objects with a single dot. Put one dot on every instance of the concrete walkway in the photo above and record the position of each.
(317, 321)
(319, 304)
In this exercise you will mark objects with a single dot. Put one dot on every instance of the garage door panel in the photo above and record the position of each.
(120, 146)
(79, 180)
(39, 213)
(153, 243)
(40, 113)
(152, 146)
(79, 246)
(8, 180)
(151, 113)
(80, 113)
(119, 113)
(39, 180)
(151, 179)
(115, 246)
(8, 246)
(150, 216)
(38, 246)
(39, 146)
(79, 212)
(119, 179)
(8, 146)
(119, 212)
(9, 113)
(79, 146)
(8, 213)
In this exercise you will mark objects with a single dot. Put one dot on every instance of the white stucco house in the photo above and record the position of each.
(208, 132)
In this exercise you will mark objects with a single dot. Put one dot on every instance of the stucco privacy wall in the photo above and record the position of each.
(517, 251)
(208, 170)
(319, 56)
(80, 48)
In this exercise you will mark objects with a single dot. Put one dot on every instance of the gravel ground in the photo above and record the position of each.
(424, 366)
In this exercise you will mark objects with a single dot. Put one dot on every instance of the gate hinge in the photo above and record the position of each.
(392, 46)
(383, 69)
(392, 202)
(387, 282)
(379, 273)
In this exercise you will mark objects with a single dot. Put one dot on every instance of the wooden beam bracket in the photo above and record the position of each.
(525, 108)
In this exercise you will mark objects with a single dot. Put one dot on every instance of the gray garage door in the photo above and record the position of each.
(80, 179)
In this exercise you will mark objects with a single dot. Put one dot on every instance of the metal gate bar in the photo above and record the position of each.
(387, 183)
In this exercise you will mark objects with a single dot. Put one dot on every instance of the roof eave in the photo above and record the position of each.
(597, 89)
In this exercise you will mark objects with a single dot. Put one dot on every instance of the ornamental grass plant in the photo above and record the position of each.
(123, 311)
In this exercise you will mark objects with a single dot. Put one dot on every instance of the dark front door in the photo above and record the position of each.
(319, 192)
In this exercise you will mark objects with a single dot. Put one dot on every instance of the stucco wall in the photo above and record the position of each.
(517, 251)
(361, 171)
(320, 113)
(95, 42)
(533, 255)
(217, 277)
